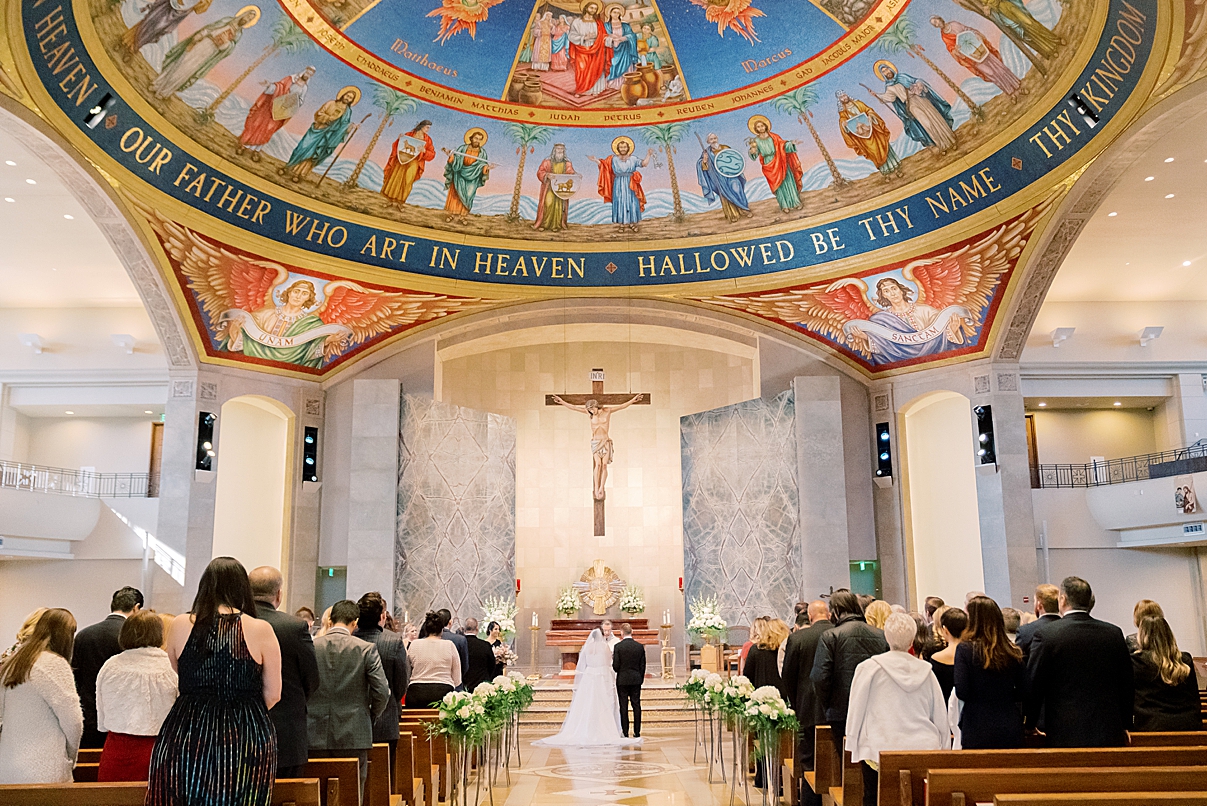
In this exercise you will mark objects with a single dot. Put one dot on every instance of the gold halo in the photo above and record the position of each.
(623, 139)
(477, 130)
(254, 9)
(354, 90)
(582, 8)
(607, 11)
(876, 68)
(755, 119)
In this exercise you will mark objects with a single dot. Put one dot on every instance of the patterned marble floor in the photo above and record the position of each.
(658, 773)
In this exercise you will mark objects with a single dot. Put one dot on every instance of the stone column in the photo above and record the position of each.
(373, 483)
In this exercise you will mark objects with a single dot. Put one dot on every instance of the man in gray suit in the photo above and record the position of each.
(352, 694)
(371, 627)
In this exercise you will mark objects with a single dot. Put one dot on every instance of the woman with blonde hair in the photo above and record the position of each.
(762, 664)
(39, 707)
(1167, 691)
(877, 613)
(1144, 607)
(756, 635)
(27, 629)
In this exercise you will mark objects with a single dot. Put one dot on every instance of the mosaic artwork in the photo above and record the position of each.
(455, 537)
(740, 508)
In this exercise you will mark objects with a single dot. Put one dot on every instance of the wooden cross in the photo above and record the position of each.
(601, 447)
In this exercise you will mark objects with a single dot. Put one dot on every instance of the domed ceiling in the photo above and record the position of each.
(321, 176)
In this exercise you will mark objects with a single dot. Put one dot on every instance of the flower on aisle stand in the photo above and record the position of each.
(693, 688)
(706, 621)
(501, 611)
(767, 715)
(631, 601)
(568, 602)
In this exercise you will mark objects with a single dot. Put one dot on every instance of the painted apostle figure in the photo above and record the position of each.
(601, 443)
(162, 18)
(191, 60)
(467, 169)
(924, 114)
(552, 210)
(975, 53)
(330, 128)
(620, 182)
(731, 190)
(271, 110)
(777, 157)
(866, 133)
(402, 173)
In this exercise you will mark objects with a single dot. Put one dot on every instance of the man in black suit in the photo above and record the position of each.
(299, 671)
(839, 651)
(481, 668)
(93, 646)
(370, 626)
(1047, 610)
(798, 665)
(458, 641)
(1080, 674)
(628, 661)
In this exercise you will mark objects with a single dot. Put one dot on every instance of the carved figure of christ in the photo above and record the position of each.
(599, 408)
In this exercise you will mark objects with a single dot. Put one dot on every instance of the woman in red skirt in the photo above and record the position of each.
(134, 692)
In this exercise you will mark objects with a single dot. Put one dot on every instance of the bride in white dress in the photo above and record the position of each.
(594, 716)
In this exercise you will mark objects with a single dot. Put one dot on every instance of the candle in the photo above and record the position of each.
(534, 621)
(406, 617)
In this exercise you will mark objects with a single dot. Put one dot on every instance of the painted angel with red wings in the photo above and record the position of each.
(737, 15)
(461, 15)
(938, 304)
(260, 309)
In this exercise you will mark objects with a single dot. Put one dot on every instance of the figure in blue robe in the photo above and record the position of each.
(925, 116)
(624, 48)
(330, 128)
(730, 190)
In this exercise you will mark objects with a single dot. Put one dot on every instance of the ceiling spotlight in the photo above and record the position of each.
(148, 411)
(1042, 404)
(1116, 403)
(69, 217)
(69, 412)
(9, 199)
(1169, 195)
(1149, 178)
(10, 162)
(125, 341)
(32, 341)
(1111, 215)
(1185, 262)
(30, 182)
(1169, 159)
(1061, 334)
(1150, 334)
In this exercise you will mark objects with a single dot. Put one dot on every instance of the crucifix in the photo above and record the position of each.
(599, 408)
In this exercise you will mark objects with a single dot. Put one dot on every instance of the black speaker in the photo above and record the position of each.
(310, 453)
(884, 451)
(986, 450)
(205, 440)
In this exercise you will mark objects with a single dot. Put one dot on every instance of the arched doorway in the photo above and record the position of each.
(254, 481)
(942, 520)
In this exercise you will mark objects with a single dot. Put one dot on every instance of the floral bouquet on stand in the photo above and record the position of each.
(499, 610)
(631, 601)
(706, 621)
(694, 691)
(568, 602)
(767, 716)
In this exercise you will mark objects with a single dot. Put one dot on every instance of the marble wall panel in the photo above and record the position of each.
(455, 535)
(740, 508)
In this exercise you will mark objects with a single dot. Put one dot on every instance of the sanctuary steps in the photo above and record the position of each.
(661, 704)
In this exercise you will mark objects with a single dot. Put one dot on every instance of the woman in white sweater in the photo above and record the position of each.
(39, 708)
(896, 704)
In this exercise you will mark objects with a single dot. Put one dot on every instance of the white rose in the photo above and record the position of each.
(464, 712)
(484, 690)
(449, 698)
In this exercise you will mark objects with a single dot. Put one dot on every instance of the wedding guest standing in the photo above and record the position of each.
(371, 627)
(950, 625)
(457, 639)
(877, 613)
(989, 680)
(135, 690)
(26, 630)
(218, 746)
(494, 635)
(481, 667)
(798, 663)
(1167, 691)
(1143, 609)
(95, 645)
(1047, 610)
(762, 666)
(435, 665)
(42, 720)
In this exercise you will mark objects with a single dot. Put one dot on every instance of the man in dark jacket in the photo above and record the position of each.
(370, 626)
(628, 661)
(1047, 610)
(481, 668)
(299, 671)
(93, 646)
(811, 625)
(1080, 674)
(840, 650)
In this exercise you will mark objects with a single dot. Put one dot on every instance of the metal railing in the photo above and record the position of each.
(1192, 459)
(60, 481)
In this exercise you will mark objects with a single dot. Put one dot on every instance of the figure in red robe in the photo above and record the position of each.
(272, 109)
(589, 52)
(976, 54)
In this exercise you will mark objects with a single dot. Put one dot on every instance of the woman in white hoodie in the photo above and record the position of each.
(896, 704)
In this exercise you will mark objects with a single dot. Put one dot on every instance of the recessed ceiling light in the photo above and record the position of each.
(9, 199)
(1149, 178)
(148, 411)
(1116, 403)
(1111, 215)
(10, 162)
(69, 412)
(31, 181)
(69, 217)
(1041, 405)
(1185, 262)
(1169, 195)
(1169, 159)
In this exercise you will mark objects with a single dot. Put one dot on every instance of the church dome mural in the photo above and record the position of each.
(867, 174)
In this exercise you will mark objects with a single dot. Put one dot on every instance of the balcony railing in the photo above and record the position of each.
(1192, 459)
(60, 481)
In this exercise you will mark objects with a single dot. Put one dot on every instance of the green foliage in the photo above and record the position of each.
(665, 134)
(527, 134)
(900, 37)
(798, 101)
(392, 102)
(288, 37)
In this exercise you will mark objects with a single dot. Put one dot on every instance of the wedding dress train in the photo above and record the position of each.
(593, 719)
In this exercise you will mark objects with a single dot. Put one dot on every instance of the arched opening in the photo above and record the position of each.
(254, 481)
(942, 520)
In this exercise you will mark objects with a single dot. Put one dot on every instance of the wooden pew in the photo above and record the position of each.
(377, 787)
(1184, 738)
(849, 789)
(425, 771)
(788, 770)
(85, 773)
(967, 787)
(903, 773)
(1105, 799)
(88, 756)
(416, 720)
(406, 782)
(339, 779)
(822, 776)
(285, 792)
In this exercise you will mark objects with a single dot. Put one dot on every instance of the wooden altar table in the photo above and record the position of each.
(569, 635)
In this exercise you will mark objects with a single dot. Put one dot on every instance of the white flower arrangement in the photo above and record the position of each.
(568, 602)
(706, 619)
(502, 611)
(631, 600)
(506, 655)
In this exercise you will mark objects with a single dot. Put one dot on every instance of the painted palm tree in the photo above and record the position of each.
(525, 136)
(665, 136)
(902, 37)
(799, 102)
(391, 103)
(286, 38)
